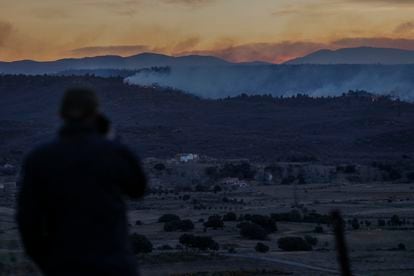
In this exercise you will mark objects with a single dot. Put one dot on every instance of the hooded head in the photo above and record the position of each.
(79, 105)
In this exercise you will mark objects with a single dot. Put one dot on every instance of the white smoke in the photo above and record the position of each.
(283, 80)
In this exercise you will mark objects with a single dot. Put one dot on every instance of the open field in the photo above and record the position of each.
(373, 248)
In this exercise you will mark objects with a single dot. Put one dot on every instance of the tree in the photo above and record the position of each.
(355, 224)
(318, 229)
(311, 240)
(140, 244)
(395, 220)
(252, 231)
(186, 225)
(168, 217)
(381, 222)
(230, 216)
(199, 242)
(401, 247)
(294, 244)
(261, 247)
(159, 167)
(266, 222)
(178, 225)
(214, 222)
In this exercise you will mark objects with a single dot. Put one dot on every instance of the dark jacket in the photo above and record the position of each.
(71, 211)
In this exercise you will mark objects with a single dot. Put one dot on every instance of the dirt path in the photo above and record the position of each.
(285, 262)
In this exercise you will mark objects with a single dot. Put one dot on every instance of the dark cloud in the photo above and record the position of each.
(123, 50)
(405, 27)
(6, 30)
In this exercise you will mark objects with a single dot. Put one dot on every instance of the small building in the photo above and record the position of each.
(187, 157)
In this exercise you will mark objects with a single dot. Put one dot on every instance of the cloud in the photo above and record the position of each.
(382, 42)
(123, 50)
(395, 2)
(186, 44)
(270, 52)
(191, 3)
(405, 27)
(6, 30)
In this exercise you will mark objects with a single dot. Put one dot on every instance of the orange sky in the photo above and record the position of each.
(237, 30)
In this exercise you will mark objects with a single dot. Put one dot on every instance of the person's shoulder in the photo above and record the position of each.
(40, 151)
(121, 148)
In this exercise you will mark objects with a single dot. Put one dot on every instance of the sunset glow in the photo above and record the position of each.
(236, 30)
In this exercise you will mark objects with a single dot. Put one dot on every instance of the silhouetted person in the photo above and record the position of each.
(71, 212)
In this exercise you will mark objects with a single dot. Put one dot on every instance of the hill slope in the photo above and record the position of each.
(161, 123)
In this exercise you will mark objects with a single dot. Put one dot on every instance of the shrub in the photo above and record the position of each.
(261, 247)
(214, 222)
(294, 244)
(355, 224)
(230, 216)
(311, 240)
(178, 225)
(140, 244)
(266, 222)
(168, 217)
(159, 167)
(381, 222)
(401, 247)
(395, 220)
(252, 231)
(186, 225)
(318, 229)
(166, 247)
(199, 242)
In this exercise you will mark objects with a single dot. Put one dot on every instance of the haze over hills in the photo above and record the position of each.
(323, 73)
(362, 55)
(359, 55)
(108, 62)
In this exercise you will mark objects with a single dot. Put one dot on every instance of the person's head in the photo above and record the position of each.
(79, 105)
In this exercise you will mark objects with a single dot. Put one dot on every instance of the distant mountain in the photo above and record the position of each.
(108, 62)
(361, 55)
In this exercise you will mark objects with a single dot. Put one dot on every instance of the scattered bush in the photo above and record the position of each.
(311, 240)
(230, 216)
(252, 231)
(140, 244)
(199, 242)
(261, 247)
(318, 229)
(381, 222)
(401, 247)
(266, 222)
(294, 244)
(178, 225)
(168, 217)
(214, 222)
(159, 167)
(355, 224)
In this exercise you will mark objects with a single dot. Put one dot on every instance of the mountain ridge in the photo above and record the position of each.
(357, 55)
